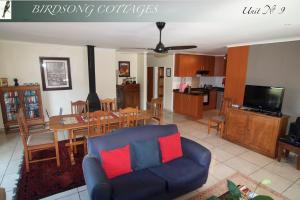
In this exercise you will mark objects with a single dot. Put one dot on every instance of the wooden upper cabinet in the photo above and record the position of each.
(220, 66)
(186, 65)
(236, 69)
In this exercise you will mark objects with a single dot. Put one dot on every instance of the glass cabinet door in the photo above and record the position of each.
(12, 103)
(31, 104)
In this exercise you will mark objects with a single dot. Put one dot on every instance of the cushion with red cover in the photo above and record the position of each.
(170, 147)
(116, 162)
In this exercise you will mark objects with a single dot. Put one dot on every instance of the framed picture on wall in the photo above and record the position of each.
(56, 73)
(168, 72)
(124, 69)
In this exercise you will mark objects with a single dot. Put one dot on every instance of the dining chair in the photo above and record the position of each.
(98, 123)
(77, 136)
(128, 117)
(78, 107)
(36, 141)
(218, 121)
(108, 104)
(156, 109)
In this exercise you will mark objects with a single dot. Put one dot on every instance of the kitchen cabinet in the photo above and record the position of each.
(188, 104)
(255, 131)
(186, 65)
(220, 66)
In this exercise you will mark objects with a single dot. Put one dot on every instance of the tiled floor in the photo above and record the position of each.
(227, 158)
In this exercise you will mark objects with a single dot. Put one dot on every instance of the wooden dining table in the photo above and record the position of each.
(56, 123)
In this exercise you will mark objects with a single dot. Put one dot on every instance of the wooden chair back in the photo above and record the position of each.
(108, 105)
(23, 127)
(98, 123)
(128, 117)
(157, 108)
(79, 107)
(226, 104)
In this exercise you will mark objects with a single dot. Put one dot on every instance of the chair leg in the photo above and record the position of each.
(85, 146)
(279, 152)
(56, 148)
(221, 129)
(26, 160)
(30, 155)
(208, 126)
(286, 153)
(75, 146)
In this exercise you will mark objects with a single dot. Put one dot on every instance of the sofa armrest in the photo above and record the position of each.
(196, 152)
(98, 185)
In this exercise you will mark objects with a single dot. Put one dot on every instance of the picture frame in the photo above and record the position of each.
(55, 73)
(168, 72)
(124, 69)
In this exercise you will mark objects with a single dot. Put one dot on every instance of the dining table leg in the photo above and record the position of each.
(56, 148)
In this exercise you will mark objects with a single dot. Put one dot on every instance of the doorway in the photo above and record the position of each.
(155, 83)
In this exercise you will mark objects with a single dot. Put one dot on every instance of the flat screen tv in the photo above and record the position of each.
(264, 98)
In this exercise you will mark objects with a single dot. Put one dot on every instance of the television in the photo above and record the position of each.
(264, 98)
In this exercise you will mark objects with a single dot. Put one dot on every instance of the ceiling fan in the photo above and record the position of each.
(160, 47)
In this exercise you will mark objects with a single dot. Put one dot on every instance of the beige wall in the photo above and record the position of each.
(21, 60)
(277, 64)
(166, 61)
(132, 58)
(142, 78)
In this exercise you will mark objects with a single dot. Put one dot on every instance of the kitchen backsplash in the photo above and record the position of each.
(215, 81)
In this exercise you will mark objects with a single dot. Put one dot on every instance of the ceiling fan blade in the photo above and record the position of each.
(181, 47)
(133, 48)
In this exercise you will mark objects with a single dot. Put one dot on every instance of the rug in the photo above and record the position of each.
(45, 178)
(239, 179)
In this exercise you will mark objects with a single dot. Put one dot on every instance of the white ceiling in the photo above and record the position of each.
(224, 25)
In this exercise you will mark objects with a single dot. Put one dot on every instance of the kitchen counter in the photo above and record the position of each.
(190, 104)
(199, 91)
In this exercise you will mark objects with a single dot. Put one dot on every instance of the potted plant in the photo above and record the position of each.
(235, 193)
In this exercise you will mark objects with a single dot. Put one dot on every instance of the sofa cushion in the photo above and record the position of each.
(116, 162)
(140, 184)
(144, 154)
(180, 173)
(170, 147)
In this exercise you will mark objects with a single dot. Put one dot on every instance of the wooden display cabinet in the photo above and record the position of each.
(128, 95)
(255, 131)
(27, 97)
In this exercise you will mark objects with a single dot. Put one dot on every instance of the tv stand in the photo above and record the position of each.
(254, 130)
(274, 114)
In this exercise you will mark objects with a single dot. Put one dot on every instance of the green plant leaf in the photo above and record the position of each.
(262, 197)
(233, 189)
(266, 182)
(213, 198)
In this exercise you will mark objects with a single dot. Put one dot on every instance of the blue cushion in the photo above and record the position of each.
(144, 154)
(180, 173)
(140, 184)
(124, 136)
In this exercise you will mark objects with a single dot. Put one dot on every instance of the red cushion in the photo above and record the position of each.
(170, 147)
(116, 162)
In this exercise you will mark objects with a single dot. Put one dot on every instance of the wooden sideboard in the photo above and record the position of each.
(128, 95)
(256, 131)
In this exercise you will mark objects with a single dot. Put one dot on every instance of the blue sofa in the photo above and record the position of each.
(165, 181)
